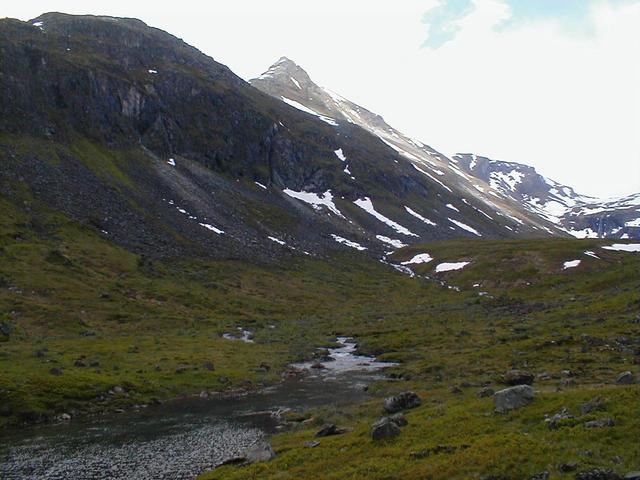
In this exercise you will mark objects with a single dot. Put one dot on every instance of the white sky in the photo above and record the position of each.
(568, 104)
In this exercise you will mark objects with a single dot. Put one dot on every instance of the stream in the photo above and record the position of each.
(183, 438)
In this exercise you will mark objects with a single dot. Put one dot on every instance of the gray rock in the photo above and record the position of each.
(260, 452)
(311, 444)
(402, 401)
(568, 467)
(598, 474)
(555, 420)
(329, 429)
(384, 428)
(208, 366)
(600, 423)
(55, 371)
(513, 398)
(540, 476)
(625, 378)
(518, 377)
(596, 403)
(632, 476)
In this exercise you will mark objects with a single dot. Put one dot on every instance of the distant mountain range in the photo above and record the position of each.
(160, 149)
(511, 186)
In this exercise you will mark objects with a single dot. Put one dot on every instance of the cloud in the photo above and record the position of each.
(442, 21)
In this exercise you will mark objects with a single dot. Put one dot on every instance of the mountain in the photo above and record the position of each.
(166, 152)
(509, 188)
(580, 215)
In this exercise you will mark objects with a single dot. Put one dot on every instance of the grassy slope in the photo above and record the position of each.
(534, 320)
(60, 279)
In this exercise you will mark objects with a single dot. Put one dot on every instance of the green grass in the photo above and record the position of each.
(59, 280)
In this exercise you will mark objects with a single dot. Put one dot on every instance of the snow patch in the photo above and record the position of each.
(571, 264)
(260, 185)
(302, 108)
(340, 155)
(624, 247)
(171, 162)
(420, 258)
(152, 71)
(633, 223)
(465, 227)
(391, 241)
(366, 204)
(212, 228)
(448, 205)
(420, 217)
(449, 266)
(315, 200)
(348, 243)
(277, 240)
(295, 82)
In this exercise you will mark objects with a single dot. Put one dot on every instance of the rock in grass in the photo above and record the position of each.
(598, 474)
(596, 403)
(540, 476)
(260, 452)
(625, 378)
(518, 377)
(632, 476)
(208, 365)
(329, 429)
(402, 401)
(55, 371)
(600, 423)
(513, 398)
(311, 444)
(568, 467)
(384, 428)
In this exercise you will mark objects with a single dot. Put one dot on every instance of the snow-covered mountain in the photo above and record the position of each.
(509, 189)
(289, 82)
(580, 215)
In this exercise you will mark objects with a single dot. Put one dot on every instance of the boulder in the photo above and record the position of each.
(384, 428)
(55, 371)
(625, 378)
(329, 429)
(518, 377)
(260, 452)
(513, 398)
(600, 423)
(632, 476)
(402, 401)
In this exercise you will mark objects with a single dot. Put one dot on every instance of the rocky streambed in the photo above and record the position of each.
(181, 439)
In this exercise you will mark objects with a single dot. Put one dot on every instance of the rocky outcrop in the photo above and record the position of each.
(513, 398)
(402, 401)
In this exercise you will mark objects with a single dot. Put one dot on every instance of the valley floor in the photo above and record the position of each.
(91, 328)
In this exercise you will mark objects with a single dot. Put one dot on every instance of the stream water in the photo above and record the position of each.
(180, 439)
